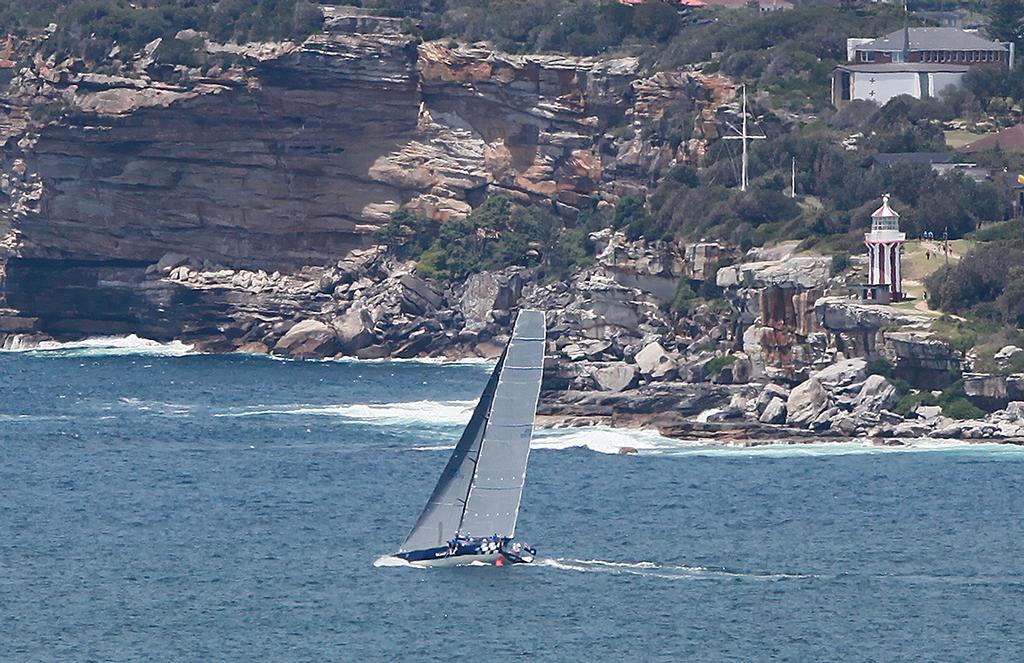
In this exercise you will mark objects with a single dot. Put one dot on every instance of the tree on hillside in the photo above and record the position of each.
(1006, 20)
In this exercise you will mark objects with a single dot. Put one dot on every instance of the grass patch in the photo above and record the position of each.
(960, 138)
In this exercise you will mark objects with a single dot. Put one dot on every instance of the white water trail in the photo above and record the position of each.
(664, 571)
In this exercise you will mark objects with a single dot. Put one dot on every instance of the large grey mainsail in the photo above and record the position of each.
(493, 503)
(479, 490)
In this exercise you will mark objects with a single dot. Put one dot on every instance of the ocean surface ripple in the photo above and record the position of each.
(158, 504)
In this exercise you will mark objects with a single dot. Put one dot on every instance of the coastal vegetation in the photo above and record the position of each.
(100, 30)
(497, 234)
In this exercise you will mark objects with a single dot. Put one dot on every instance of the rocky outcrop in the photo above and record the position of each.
(776, 298)
(994, 390)
(921, 357)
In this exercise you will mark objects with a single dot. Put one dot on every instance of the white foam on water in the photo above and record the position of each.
(428, 361)
(392, 561)
(782, 449)
(603, 439)
(707, 414)
(104, 346)
(434, 413)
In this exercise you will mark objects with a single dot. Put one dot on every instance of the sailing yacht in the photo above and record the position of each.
(471, 515)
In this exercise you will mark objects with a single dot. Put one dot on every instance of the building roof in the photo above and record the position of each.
(1008, 140)
(909, 67)
(931, 39)
(884, 210)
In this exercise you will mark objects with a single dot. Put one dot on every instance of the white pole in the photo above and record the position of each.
(792, 190)
(744, 136)
(743, 179)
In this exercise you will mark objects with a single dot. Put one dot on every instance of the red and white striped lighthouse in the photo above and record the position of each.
(885, 246)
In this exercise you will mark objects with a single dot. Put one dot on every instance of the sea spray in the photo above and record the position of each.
(100, 346)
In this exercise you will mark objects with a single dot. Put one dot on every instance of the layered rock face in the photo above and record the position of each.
(295, 159)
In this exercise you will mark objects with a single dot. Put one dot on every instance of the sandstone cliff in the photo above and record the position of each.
(294, 157)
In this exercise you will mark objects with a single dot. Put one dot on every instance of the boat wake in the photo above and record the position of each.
(101, 346)
(665, 571)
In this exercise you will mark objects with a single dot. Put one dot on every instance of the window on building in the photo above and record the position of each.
(897, 56)
(867, 56)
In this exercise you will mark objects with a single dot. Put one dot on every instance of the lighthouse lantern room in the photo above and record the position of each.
(885, 247)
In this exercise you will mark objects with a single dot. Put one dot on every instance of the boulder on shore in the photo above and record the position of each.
(808, 400)
(355, 330)
(616, 377)
(654, 361)
(309, 339)
(774, 412)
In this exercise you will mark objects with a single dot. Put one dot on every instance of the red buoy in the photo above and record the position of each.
(500, 561)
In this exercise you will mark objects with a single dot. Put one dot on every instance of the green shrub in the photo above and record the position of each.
(981, 276)
(910, 401)
(90, 28)
(1003, 231)
(953, 401)
(961, 408)
(879, 366)
(683, 299)
(840, 263)
(715, 366)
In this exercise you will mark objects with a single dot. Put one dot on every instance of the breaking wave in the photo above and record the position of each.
(604, 439)
(428, 361)
(666, 571)
(101, 346)
(453, 414)
(823, 448)
(431, 413)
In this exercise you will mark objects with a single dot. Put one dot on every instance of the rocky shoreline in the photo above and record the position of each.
(774, 359)
(234, 209)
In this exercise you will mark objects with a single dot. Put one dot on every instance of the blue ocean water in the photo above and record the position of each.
(231, 508)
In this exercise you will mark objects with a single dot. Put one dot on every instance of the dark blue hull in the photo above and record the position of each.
(472, 552)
